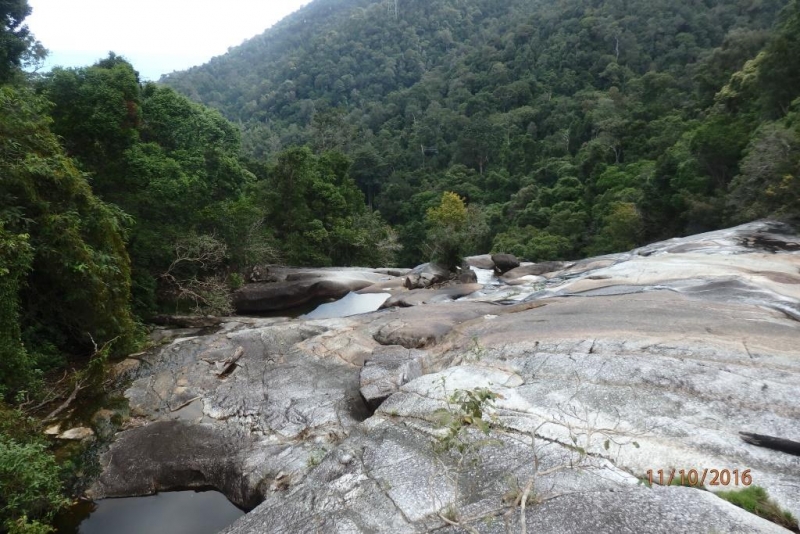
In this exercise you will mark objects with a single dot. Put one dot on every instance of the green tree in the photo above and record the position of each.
(76, 239)
(769, 183)
(16, 42)
(452, 230)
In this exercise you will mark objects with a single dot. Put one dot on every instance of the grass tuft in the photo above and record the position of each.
(756, 501)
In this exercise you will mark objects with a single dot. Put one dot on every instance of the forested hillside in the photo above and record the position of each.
(577, 127)
(118, 201)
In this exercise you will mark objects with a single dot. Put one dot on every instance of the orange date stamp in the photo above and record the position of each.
(699, 477)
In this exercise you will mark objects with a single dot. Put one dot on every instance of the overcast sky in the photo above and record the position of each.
(156, 36)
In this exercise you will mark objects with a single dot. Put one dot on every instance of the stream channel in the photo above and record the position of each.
(186, 512)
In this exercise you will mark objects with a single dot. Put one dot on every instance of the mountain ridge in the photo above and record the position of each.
(567, 122)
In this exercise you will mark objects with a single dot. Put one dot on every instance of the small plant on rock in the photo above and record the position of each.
(756, 501)
(466, 412)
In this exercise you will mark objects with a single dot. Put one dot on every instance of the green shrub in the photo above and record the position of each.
(25, 526)
(235, 281)
(30, 485)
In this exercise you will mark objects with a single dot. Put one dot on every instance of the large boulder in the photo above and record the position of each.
(483, 261)
(426, 275)
(466, 275)
(504, 262)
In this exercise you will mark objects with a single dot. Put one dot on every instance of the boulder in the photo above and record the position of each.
(431, 271)
(425, 279)
(483, 261)
(504, 262)
(467, 276)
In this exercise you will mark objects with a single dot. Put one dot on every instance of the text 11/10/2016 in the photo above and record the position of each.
(698, 477)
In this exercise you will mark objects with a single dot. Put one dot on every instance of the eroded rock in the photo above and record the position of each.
(386, 370)
(652, 359)
(418, 297)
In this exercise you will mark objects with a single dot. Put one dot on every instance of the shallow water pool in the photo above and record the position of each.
(178, 512)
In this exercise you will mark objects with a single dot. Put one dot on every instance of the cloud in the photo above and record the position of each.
(157, 36)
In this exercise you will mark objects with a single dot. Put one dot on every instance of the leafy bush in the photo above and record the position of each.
(30, 485)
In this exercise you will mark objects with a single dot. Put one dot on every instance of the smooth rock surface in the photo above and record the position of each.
(417, 297)
(607, 368)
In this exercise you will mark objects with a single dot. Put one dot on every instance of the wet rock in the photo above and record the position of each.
(390, 286)
(393, 272)
(534, 269)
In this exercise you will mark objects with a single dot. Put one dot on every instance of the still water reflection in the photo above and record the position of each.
(179, 512)
(350, 304)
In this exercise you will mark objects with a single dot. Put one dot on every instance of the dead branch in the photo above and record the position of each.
(230, 364)
(66, 403)
(185, 404)
(778, 444)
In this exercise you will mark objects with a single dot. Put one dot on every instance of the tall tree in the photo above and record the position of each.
(15, 38)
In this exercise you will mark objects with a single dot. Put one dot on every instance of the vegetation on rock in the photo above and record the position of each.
(756, 501)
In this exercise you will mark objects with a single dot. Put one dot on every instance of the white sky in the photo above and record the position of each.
(156, 36)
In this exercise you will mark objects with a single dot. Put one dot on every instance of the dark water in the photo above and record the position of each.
(179, 512)
(350, 304)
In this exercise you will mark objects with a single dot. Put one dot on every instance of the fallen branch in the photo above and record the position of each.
(460, 524)
(185, 404)
(778, 444)
(231, 363)
(66, 403)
